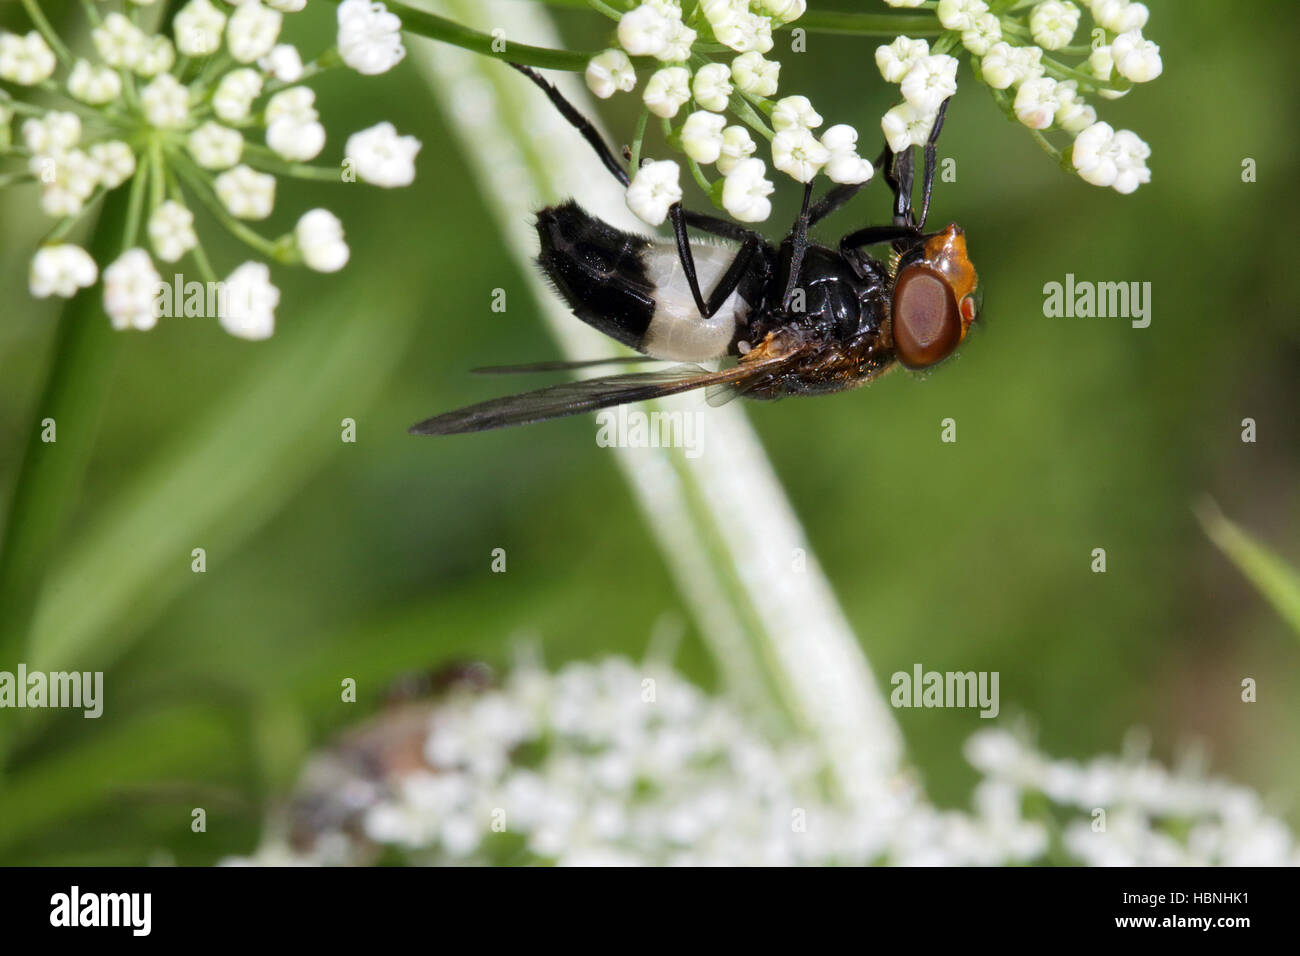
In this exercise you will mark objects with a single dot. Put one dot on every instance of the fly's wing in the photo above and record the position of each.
(573, 398)
(561, 366)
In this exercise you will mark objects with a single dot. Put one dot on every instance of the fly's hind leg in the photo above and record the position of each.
(750, 240)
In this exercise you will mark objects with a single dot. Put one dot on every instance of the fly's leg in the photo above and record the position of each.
(679, 216)
(800, 232)
(931, 151)
(735, 272)
(872, 235)
(578, 122)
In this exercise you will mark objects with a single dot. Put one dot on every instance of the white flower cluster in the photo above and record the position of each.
(620, 764)
(1041, 91)
(1131, 811)
(176, 116)
(745, 87)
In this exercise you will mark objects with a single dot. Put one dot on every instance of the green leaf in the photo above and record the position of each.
(1271, 575)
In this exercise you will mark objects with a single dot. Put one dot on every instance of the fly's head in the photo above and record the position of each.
(936, 298)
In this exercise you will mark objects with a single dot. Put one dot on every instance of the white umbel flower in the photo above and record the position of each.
(157, 57)
(905, 126)
(1105, 157)
(960, 14)
(284, 63)
(680, 41)
(794, 112)
(1036, 102)
(234, 95)
(171, 231)
(645, 31)
(1136, 58)
(737, 144)
(1005, 65)
(319, 236)
(702, 136)
(93, 84)
(68, 180)
(292, 127)
(381, 157)
(798, 153)
(895, 59)
(755, 75)
(370, 37)
(745, 191)
(131, 286)
(1133, 153)
(783, 11)
(845, 165)
(1073, 115)
(249, 301)
(119, 42)
(214, 146)
(252, 31)
(609, 72)
(115, 162)
(930, 81)
(26, 60)
(56, 131)
(667, 90)
(198, 27)
(61, 270)
(745, 33)
(711, 86)
(985, 30)
(1119, 16)
(655, 187)
(294, 141)
(245, 192)
(166, 103)
(1053, 23)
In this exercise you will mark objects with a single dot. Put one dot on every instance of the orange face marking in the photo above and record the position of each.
(946, 254)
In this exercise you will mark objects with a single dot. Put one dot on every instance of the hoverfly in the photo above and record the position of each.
(859, 317)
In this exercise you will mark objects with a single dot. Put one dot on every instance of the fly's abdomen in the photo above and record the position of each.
(633, 288)
(599, 270)
(677, 330)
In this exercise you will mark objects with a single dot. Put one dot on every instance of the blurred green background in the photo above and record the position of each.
(327, 560)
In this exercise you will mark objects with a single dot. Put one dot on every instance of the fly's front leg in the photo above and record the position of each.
(751, 241)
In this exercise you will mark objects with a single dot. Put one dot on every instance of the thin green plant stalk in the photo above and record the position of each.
(458, 32)
(1278, 581)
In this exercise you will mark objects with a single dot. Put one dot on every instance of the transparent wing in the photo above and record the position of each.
(573, 398)
(561, 366)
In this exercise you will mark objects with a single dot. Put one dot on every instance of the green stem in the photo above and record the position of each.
(45, 494)
(635, 162)
(189, 172)
(47, 31)
(135, 207)
(749, 116)
(266, 158)
(425, 24)
(605, 9)
(869, 24)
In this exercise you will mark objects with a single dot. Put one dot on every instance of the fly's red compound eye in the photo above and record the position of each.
(927, 323)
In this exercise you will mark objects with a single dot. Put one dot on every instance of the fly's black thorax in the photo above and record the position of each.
(839, 300)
